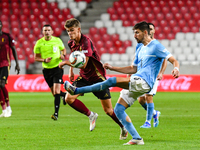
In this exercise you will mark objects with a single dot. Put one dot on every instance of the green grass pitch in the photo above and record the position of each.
(31, 128)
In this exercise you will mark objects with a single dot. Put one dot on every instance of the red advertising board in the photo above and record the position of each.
(36, 83)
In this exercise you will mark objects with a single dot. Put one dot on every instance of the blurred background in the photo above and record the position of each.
(109, 24)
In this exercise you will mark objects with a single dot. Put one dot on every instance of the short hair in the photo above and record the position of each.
(151, 24)
(73, 22)
(142, 26)
(47, 25)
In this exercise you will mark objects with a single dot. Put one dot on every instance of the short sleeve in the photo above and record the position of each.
(37, 48)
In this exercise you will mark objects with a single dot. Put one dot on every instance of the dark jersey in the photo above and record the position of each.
(6, 42)
(94, 69)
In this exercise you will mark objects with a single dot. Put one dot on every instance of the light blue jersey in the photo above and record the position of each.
(149, 59)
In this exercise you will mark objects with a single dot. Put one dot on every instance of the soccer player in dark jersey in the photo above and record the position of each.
(6, 43)
(92, 72)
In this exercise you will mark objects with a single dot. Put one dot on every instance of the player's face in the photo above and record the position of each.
(152, 30)
(73, 32)
(47, 31)
(139, 35)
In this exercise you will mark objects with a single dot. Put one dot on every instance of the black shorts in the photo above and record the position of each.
(4, 72)
(53, 75)
(80, 82)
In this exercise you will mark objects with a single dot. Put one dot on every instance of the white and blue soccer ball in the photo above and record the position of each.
(77, 59)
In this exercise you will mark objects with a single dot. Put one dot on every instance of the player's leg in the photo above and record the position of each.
(108, 109)
(119, 110)
(57, 74)
(4, 71)
(79, 106)
(143, 102)
(111, 82)
(3, 105)
(6, 96)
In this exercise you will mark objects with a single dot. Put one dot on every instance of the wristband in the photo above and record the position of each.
(44, 60)
(176, 68)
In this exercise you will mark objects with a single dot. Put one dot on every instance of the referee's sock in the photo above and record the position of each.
(56, 103)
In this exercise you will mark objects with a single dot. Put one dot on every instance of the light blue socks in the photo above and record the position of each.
(121, 115)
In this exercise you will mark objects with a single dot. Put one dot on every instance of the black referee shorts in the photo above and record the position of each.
(53, 75)
(80, 82)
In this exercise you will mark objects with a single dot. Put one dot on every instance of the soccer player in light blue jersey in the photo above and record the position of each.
(144, 70)
(148, 98)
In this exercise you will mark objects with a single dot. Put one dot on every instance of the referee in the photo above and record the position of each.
(51, 51)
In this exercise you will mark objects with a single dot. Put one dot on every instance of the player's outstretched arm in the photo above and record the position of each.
(126, 70)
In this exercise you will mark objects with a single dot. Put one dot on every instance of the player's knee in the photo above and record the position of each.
(111, 82)
(109, 111)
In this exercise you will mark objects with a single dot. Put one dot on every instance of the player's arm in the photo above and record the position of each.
(37, 57)
(17, 68)
(174, 62)
(127, 70)
(162, 70)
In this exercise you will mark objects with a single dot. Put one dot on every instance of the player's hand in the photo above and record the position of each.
(175, 73)
(61, 64)
(48, 59)
(160, 76)
(107, 66)
(71, 76)
(17, 68)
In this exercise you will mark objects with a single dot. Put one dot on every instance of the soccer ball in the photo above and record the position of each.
(77, 59)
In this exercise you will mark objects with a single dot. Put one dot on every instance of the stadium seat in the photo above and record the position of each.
(174, 10)
(130, 50)
(111, 10)
(159, 16)
(65, 11)
(102, 50)
(105, 57)
(114, 37)
(170, 36)
(165, 10)
(129, 10)
(120, 11)
(53, 5)
(105, 37)
(156, 10)
(93, 30)
(114, 17)
(121, 50)
(102, 31)
(163, 24)
(195, 50)
(117, 23)
(138, 10)
(13, 18)
(169, 17)
(197, 36)
(171, 3)
(96, 37)
(187, 50)
(98, 24)
(176, 29)
(111, 30)
(193, 43)
(120, 30)
(193, 10)
(108, 24)
(123, 17)
(16, 11)
(19, 51)
(177, 51)
(165, 42)
(124, 37)
(99, 44)
(172, 23)
(112, 50)
(36, 31)
(189, 36)
(127, 43)
(44, 5)
(183, 43)
(26, 12)
(117, 43)
(174, 43)
(28, 51)
(180, 3)
(183, 10)
(116, 4)
(186, 29)
(141, 17)
(180, 36)
(108, 44)
(105, 17)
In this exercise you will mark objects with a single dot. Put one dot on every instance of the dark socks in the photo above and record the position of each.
(80, 107)
(57, 103)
